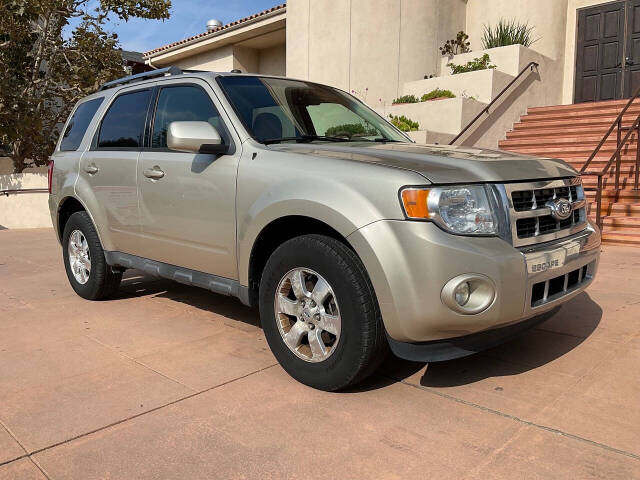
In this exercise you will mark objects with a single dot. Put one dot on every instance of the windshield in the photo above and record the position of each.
(276, 110)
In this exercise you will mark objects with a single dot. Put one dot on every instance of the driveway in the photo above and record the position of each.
(168, 381)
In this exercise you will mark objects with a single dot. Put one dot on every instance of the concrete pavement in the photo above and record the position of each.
(168, 381)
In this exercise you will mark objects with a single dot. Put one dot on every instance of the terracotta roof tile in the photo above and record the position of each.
(216, 30)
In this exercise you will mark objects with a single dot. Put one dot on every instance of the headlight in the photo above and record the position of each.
(464, 209)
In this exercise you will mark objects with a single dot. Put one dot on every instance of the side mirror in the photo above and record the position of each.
(195, 137)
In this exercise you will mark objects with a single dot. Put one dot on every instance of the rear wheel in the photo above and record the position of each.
(319, 313)
(84, 262)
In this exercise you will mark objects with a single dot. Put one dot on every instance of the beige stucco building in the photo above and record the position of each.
(381, 49)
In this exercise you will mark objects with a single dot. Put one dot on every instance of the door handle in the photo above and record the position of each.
(628, 61)
(91, 169)
(154, 173)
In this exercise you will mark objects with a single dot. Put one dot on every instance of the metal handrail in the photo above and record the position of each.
(530, 65)
(19, 191)
(620, 143)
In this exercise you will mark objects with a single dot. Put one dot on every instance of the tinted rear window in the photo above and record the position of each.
(77, 126)
(123, 125)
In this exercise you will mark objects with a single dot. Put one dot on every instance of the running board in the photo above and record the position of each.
(221, 285)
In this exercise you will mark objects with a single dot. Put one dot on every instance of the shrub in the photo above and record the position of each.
(456, 45)
(406, 99)
(437, 93)
(479, 63)
(403, 123)
(350, 130)
(507, 32)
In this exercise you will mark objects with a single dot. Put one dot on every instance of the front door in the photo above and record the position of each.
(188, 215)
(608, 51)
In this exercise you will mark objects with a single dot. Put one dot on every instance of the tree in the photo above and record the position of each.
(43, 74)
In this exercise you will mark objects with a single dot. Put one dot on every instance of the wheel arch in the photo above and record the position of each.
(275, 234)
(67, 207)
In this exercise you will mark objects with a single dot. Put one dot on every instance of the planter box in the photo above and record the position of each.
(510, 59)
(444, 116)
(483, 85)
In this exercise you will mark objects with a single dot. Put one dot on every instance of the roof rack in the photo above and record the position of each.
(161, 72)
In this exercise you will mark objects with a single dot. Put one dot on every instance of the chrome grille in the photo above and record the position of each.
(531, 219)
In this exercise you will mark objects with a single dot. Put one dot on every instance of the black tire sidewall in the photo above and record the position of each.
(350, 289)
(92, 289)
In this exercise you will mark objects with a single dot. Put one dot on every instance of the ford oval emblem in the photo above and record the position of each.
(560, 208)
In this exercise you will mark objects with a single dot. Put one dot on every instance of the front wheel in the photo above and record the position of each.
(87, 270)
(319, 313)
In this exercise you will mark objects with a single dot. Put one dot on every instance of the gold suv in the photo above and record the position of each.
(298, 199)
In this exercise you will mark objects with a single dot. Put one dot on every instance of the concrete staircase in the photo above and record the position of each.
(572, 132)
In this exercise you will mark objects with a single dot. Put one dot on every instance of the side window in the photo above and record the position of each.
(123, 125)
(184, 103)
(77, 126)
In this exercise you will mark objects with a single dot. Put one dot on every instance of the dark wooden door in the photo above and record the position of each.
(632, 49)
(600, 52)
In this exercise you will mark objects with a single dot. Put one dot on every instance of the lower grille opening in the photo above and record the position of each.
(557, 287)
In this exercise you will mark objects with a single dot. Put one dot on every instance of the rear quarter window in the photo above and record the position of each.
(78, 124)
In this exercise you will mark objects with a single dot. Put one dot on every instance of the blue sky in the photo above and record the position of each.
(188, 17)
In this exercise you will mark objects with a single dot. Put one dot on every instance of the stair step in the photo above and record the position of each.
(625, 209)
(558, 132)
(626, 169)
(616, 223)
(599, 113)
(585, 150)
(568, 140)
(581, 106)
(620, 196)
(580, 121)
(621, 237)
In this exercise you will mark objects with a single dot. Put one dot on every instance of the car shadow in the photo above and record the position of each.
(547, 342)
(138, 284)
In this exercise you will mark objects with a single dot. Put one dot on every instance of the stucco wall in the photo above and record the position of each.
(374, 44)
(218, 60)
(271, 61)
(245, 59)
(548, 17)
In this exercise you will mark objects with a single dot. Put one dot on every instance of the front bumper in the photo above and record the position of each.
(410, 262)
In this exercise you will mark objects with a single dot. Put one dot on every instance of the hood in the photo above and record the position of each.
(440, 163)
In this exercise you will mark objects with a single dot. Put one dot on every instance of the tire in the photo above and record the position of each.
(101, 281)
(358, 349)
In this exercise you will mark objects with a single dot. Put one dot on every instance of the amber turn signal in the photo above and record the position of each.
(414, 201)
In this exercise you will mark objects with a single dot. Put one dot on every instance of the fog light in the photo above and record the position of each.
(462, 293)
(469, 294)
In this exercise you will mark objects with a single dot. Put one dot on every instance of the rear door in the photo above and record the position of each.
(188, 216)
(109, 167)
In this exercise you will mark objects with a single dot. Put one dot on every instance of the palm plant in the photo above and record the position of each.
(507, 32)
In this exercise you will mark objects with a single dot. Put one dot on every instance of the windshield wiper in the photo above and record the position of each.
(304, 139)
(379, 139)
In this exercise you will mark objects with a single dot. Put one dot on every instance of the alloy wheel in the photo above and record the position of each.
(307, 314)
(79, 257)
